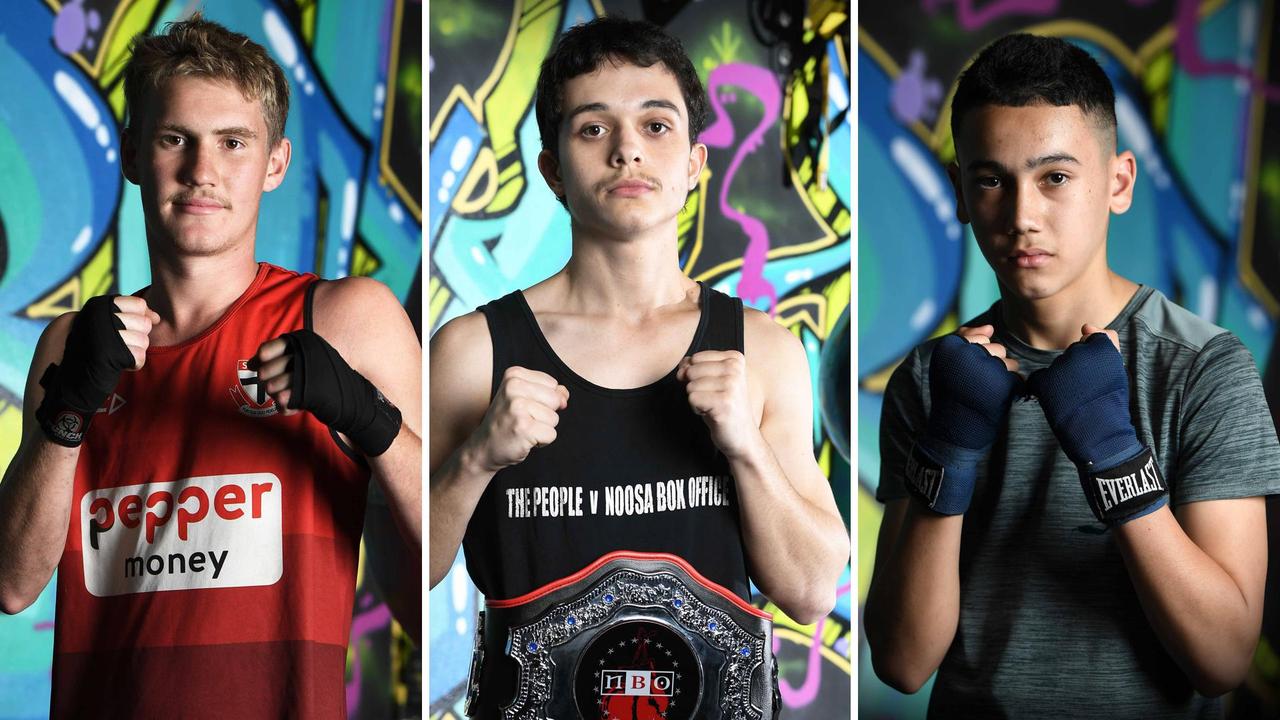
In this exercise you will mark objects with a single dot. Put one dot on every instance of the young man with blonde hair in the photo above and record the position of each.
(195, 457)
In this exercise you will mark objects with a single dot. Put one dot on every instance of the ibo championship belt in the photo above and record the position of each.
(633, 636)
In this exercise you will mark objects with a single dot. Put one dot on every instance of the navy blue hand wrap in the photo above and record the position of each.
(1085, 396)
(970, 392)
(92, 361)
(324, 384)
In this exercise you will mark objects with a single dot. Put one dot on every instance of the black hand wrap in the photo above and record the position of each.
(94, 357)
(324, 384)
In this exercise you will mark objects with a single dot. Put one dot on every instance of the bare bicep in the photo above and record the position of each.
(461, 379)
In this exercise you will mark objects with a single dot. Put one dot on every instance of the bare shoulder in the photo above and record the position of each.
(768, 345)
(362, 319)
(461, 355)
(355, 306)
(53, 340)
(779, 367)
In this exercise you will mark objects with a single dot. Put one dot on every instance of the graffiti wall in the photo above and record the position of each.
(1193, 103)
(770, 222)
(72, 228)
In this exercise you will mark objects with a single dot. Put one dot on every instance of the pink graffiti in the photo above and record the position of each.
(802, 696)
(46, 625)
(1186, 45)
(972, 18)
(764, 85)
(362, 625)
(1186, 48)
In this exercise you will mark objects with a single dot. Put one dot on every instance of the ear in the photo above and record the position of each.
(128, 157)
(550, 169)
(277, 164)
(1124, 173)
(697, 161)
(957, 186)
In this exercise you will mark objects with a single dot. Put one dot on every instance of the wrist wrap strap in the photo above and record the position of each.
(338, 396)
(1127, 491)
(941, 476)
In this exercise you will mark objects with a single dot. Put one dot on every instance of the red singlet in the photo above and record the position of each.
(210, 562)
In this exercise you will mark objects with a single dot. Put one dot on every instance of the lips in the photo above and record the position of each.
(630, 188)
(1030, 258)
(198, 206)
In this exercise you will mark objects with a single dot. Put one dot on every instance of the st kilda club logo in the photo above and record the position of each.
(249, 394)
(638, 670)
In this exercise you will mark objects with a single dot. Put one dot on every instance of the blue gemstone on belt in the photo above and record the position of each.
(744, 652)
(571, 620)
(677, 602)
(712, 625)
(608, 598)
(533, 646)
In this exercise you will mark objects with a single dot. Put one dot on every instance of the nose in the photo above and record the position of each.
(627, 149)
(1024, 210)
(198, 165)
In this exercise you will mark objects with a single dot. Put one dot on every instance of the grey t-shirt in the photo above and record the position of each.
(1050, 625)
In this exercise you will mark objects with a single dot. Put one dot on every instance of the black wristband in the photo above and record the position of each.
(60, 422)
(324, 384)
(1124, 491)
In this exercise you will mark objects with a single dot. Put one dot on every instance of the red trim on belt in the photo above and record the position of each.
(631, 555)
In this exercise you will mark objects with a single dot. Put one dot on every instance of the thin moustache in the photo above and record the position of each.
(652, 183)
(184, 199)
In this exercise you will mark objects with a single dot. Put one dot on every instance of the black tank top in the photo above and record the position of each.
(630, 469)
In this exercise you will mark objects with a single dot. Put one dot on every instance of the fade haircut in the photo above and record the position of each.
(584, 48)
(1020, 70)
(199, 48)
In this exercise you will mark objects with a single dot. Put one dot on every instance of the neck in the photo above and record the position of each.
(1053, 323)
(191, 293)
(633, 276)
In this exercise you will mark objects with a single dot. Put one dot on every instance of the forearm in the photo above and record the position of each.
(456, 488)
(1199, 612)
(797, 549)
(398, 471)
(913, 605)
(35, 507)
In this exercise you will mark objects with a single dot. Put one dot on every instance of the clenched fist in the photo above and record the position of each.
(522, 416)
(109, 335)
(716, 383)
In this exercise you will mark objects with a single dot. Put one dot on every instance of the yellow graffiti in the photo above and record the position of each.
(10, 431)
(384, 165)
(804, 308)
(484, 167)
(439, 297)
(689, 224)
(94, 278)
(364, 262)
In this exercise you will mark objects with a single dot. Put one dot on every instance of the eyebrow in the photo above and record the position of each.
(1030, 164)
(238, 131)
(601, 107)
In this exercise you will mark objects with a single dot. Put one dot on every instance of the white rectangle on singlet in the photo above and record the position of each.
(202, 532)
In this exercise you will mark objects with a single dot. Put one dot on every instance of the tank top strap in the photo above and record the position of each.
(724, 321)
(509, 331)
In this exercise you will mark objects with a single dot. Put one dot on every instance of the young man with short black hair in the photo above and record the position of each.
(1074, 522)
(620, 426)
